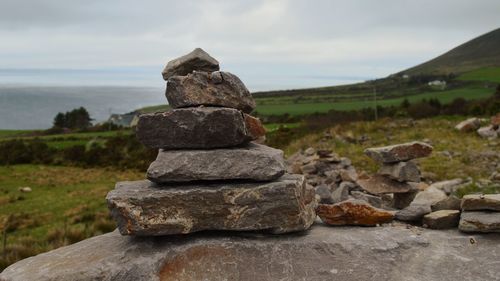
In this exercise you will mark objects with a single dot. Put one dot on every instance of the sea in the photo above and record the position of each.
(34, 107)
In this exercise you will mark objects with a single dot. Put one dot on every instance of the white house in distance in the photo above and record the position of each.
(441, 84)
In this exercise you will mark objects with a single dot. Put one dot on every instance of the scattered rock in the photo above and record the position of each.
(401, 171)
(349, 175)
(450, 203)
(403, 200)
(340, 194)
(488, 132)
(198, 88)
(25, 189)
(325, 194)
(373, 200)
(285, 205)
(252, 162)
(199, 128)
(481, 202)
(442, 219)
(449, 186)
(429, 196)
(399, 152)
(469, 125)
(480, 222)
(414, 212)
(379, 184)
(196, 60)
(353, 212)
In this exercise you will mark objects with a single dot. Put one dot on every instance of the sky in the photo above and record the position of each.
(270, 44)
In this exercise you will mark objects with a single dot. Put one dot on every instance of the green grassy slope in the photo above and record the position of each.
(490, 74)
(483, 51)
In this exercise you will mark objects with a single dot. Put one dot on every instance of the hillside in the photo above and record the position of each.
(483, 51)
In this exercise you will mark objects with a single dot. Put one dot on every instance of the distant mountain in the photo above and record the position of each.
(483, 51)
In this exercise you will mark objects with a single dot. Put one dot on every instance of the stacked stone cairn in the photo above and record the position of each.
(209, 175)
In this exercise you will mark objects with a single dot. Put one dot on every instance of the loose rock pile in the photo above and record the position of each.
(208, 174)
(480, 213)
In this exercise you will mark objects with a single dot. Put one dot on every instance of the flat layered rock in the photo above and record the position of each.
(421, 204)
(325, 253)
(353, 212)
(196, 60)
(197, 128)
(379, 184)
(211, 89)
(252, 162)
(144, 208)
(476, 202)
(442, 219)
(399, 152)
(480, 222)
(450, 203)
(401, 171)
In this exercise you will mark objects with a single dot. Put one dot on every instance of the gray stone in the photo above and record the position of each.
(468, 125)
(481, 202)
(324, 192)
(488, 132)
(196, 60)
(449, 186)
(202, 88)
(480, 221)
(413, 213)
(251, 162)
(401, 171)
(349, 174)
(340, 194)
(325, 253)
(379, 184)
(199, 128)
(373, 200)
(429, 196)
(450, 203)
(399, 152)
(144, 208)
(442, 219)
(403, 200)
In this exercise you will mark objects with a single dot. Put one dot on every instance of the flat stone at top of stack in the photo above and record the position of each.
(208, 176)
(399, 152)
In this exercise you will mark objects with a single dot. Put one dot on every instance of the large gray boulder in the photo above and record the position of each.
(252, 162)
(198, 128)
(212, 89)
(324, 253)
(196, 60)
(144, 208)
(399, 152)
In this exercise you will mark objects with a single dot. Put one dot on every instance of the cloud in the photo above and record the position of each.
(313, 38)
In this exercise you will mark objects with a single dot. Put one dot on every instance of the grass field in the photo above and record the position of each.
(66, 205)
(278, 108)
(490, 74)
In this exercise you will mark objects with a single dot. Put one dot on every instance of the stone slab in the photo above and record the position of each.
(477, 202)
(211, 89)
(399, 152)
(378, 184)
(442, 219)
(401, 171)
(479, 221)
(145, 208)
(353, 212)
(324, 253)
(252, 162)
(196, 128)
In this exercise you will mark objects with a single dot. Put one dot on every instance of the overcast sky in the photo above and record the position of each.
(271, 44)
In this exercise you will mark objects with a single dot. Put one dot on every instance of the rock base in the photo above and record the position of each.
(145, 208)
(324, 253)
